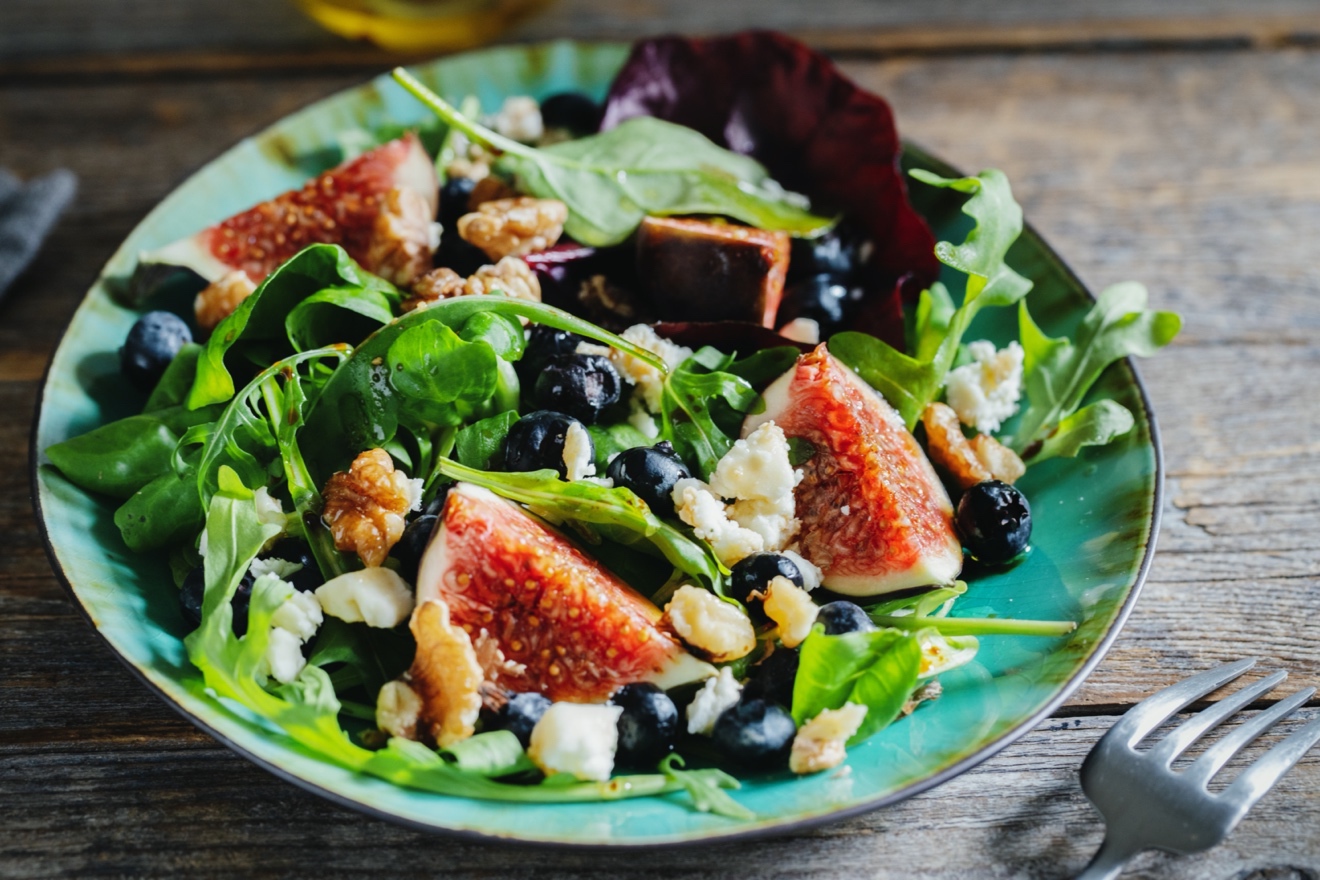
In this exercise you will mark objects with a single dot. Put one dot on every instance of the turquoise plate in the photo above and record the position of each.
(1096, 519)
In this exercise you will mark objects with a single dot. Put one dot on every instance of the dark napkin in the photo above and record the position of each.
(27, 214)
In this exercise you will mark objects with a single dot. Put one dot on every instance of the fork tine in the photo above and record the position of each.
(1198, 725)
(1151, 712)
(1219, 754)
(1253, 782)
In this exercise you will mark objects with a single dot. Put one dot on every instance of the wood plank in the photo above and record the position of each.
(109, 810)
(92, 37)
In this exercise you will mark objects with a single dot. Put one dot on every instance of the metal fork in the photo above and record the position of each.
(1148, 805)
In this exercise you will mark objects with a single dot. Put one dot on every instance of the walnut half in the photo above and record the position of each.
(514, 226)
(511, 276)
(365, 505)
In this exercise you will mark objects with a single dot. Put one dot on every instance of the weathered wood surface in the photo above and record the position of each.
(1193, 171)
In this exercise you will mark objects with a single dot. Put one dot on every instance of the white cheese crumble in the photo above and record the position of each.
(374, 596)
(650, 381)
(398, 709)
(293, 623)
(792, 610)
(576, 738)
(719, 693)
(281, 568)
(578, 451)
(758, 475)
(300, 614)
(985, 392)
(697, 506)
(805, 330)
(821, 743)
(284, 655)
(812, 576)
(644, 423)
(520, 119)
(269, 509)
(720, 629)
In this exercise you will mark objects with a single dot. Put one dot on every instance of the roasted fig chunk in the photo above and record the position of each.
(698, 270)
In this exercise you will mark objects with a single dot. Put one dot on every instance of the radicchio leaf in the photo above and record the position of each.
(818, 133)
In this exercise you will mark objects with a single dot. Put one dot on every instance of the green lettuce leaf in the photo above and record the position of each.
(1057, 373)
(646, 166)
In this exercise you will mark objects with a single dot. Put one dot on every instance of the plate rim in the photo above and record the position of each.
(733, 833)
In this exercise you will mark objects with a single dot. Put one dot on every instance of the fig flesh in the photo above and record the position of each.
(875, 517)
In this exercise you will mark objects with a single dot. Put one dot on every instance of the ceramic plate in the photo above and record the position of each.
(1096, 518)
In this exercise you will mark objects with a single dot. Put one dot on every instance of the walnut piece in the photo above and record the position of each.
(968, 461)
(489, 189)
(821, 743)
(364, 506)
(219, 298)
(511, 275)
(404, 237)
(514, 226)
(445, 674)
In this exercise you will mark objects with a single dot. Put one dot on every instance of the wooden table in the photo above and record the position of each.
(1178, 145)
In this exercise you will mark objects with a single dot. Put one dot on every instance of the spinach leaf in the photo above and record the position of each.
(1057, 373)
(876, 669)
(479, 442)
(163, 513)
(264, 326)
(371, 656)
(646, 166)
(119, 458)
(911, 382)
(436, 371)
(337, 314)
(609, 440)
(595, 511)
(172, 389)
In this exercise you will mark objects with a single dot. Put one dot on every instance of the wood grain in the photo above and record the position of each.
(1193, 171)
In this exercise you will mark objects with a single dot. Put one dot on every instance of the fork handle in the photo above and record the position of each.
(1108, 862)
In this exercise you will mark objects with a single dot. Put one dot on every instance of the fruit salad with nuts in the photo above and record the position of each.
(561, 451)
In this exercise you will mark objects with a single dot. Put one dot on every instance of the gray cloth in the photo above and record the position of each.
(27, 214)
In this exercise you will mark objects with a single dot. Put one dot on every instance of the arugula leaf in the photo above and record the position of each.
(479, 442)
(910, 383)
(496, 753)
(1057, 373)
(706, 788)
(646, 166)
(690, 408)
(875, 669)
(268, 324)
(595, 510)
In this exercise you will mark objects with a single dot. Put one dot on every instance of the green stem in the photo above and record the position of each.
(977, 626)
(447, 112)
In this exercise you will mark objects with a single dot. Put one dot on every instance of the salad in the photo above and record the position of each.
(561, 451)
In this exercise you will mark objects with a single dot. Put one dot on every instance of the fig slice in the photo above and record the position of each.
(543, 616)
(339, 206)
(875, 517)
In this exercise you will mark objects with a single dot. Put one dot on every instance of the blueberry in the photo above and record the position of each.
(519, 715)
(772, 679)
(755, 572)
(834, 253)
(650, 472)
(571, 110)
(578, 384)
(150, 346)
(409, 550)
(822, 298)
(755, 733)
(843, 617)
(544, 343)
(308, 577)
(648, 727)
(994, 521)
(454, 203)
(536, 441)
(193, 590)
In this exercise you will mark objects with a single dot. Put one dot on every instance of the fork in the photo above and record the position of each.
(1148, 805)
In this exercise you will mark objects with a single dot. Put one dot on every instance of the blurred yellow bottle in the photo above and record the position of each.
(420, 25)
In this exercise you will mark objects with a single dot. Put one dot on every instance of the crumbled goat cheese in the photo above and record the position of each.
(398, 709)
(281, 568)
(374, 596)
(706, 622)
(821, 743)
(697, 506)
(269, 509)
(577, 453)
(719, 693)
(985, 392)
(650, 382)
(811, 574)
(792, 610)
(576, 738)
(644, 423)
(284, 655)
(520, 119)
(293, 623)
(604, 482)
(758, 475)
(592, 348)
(300, 614)
(805, 330)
